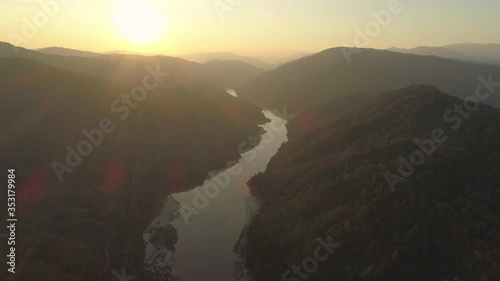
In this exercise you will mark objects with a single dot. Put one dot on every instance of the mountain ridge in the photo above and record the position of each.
(430, 228)
(100, 202)
(309, 81)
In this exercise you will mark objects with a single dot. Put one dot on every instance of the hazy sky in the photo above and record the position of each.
(251, 27)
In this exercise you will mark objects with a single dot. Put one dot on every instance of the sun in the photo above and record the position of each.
(140, 21)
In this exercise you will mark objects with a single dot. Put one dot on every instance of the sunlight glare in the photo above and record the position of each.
(140, 21)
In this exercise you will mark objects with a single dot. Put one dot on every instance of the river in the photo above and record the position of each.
(212, 218)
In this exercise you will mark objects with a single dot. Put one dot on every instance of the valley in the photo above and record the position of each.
(157, 168)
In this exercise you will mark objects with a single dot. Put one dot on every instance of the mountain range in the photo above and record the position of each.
(315, 79)
(123, 68)
(392, 157)
(94, 162)
(479, 53)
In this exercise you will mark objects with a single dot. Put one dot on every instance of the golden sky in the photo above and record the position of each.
(250, 27)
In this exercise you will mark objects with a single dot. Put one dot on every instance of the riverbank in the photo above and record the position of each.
(210, 242)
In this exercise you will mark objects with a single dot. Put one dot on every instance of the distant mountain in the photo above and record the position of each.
(206, 57)
(129, 68)
(312, 80)
(122, 157)
(126, 52)
(442, 222)
(435, 51)
(479, 53)
(489, 51)
(241, 71)
(283, 60)
(67, 52)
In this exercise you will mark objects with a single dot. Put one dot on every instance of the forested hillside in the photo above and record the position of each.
(142, 152)
(337, 72)
(441, 222)
(130, 68)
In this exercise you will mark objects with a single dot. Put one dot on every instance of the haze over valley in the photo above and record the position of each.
(250, 140)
